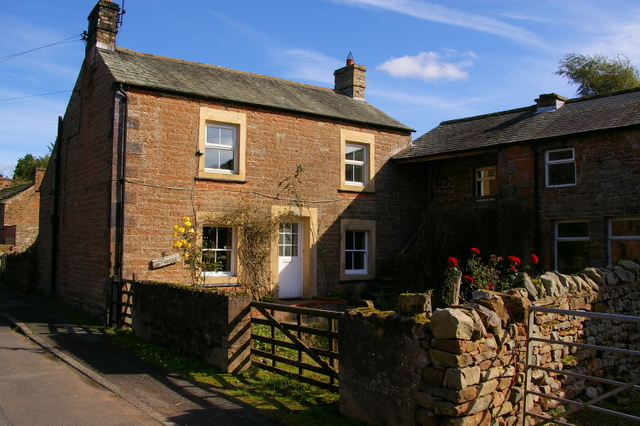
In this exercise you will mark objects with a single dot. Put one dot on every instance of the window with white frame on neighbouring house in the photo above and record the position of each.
(572, 246)
(485, 181)
(357, 249)
(357, 161)
(221, 145)
(217, 251)
(560, 167)
(624, 239)
(221, 148)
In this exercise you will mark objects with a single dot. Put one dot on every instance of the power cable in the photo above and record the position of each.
(32, 96)
(67, 40)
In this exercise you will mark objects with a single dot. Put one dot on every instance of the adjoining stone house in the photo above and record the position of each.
(566, 173)
(147, 140)
(19, 210)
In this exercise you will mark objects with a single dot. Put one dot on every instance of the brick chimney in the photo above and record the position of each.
(349, 80)
(549, 102)
(103, 25)
(38, 175)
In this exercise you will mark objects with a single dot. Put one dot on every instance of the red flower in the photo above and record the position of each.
(514, 259)
(468, 278)
(452, 262)
(534, 259)
(474, 251)
(490, 286)
(513, 269)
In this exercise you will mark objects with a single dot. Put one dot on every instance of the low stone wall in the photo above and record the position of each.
(206, 324)
(465, 365)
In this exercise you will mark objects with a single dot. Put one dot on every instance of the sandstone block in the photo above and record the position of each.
(460, 378)
(457, 396)
(450, 323)
(450, 360)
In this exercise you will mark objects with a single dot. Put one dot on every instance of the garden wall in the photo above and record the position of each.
(465, 365)
(206, 324)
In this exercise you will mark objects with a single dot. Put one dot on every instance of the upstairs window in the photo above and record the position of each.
(624, 239)
(355, 163)
(560, 167)
(217, 251)
(572, 246)
(221, 147)
(485, 181)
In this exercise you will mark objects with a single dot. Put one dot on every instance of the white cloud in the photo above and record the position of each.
(306, 64)
(428, 66)
(435, 12)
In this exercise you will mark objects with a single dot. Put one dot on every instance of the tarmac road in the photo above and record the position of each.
(165, 398)
(38, 389)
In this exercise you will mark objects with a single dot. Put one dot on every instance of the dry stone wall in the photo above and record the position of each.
(471, 358)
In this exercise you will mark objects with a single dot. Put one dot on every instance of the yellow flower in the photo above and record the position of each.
(176, 227)
(186, 219)
(191, 231)
(187, 223)
(183, 241)
(181, 229)
(177, 244)
(175, 235)
(186, 255)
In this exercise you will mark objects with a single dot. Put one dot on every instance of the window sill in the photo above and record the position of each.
(221, 178)
(485, 198)
(356, 277)
(356, 190)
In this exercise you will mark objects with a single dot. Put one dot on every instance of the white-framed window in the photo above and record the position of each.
(218, 251)
(357, 153)
(485, 181)
(624, 239)
(222, 144)
(220, 148)
(355, 164)
(357, 249)
(572, 246)
(560, 167)
(356, 252)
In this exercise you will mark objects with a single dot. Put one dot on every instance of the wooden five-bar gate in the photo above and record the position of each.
(296, 342)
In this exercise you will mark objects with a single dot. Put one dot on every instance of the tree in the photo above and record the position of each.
(26, 167)
(599, 74)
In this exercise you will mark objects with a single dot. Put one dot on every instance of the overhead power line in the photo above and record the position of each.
(33, 96)
(67, 40)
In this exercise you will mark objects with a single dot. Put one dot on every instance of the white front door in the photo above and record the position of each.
(290, 260)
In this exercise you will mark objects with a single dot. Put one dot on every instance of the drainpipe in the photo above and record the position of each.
(55, 218)
(536, 198)
(121, 140)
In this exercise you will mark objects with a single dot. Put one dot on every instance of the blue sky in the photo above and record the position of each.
(428, 61)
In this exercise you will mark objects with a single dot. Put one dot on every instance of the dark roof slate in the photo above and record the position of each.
(202, 80)
(12, 191)
(525, 126)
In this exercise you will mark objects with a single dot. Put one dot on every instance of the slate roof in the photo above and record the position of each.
(12, 191)
(523, 125)
(213, 82)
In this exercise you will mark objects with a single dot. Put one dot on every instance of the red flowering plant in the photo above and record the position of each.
(497, 273)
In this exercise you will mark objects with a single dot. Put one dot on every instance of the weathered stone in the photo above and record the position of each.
(517, 393)
(592, 284)
(623, 274)
(451, 323)
(453, 395)
(593, 274)
(460, 378)
(424, 399)
(494, 303)
(552, 284)
(479, 419)
(489, 318)
(414, 303)
(517, 306)
(446, 408)
(505, 408)
(609, 277)
(450, 360)
(454, 345)
(630, 266)
(485, 388)
(524, 280)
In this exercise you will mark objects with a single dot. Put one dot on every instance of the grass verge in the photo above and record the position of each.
(282, 398)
